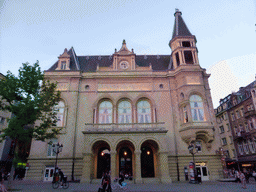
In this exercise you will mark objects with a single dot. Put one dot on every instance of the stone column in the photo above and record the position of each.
(164, 169)
(114, 172)
(137, 164)
(87, 168)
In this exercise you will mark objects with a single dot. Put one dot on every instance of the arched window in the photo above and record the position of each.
(144, 112)
(105, 112)
(124, 112)
(60, 110)
(197, 108)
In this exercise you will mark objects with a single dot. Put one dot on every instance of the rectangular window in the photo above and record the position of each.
(246, 147)
(188, 57)
(63, 65)
(240, 148)
(242, 112)
(233, 117)
(251, 146)
(51, 150)
(228, 127)
(177, 59)
(237, 114)
(231, 139)
(185, 113)
(225, 116)
(224, 141)
(221, 129)
(199, 146)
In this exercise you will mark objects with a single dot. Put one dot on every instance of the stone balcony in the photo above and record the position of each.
(197, 130)
(115, 128)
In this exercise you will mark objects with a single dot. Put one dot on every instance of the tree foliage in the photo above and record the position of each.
(30, 98)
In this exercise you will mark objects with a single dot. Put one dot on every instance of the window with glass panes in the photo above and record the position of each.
(240, 148)
(60, 110)
(105, 112)
(124, 112)
(224, 141)
(51, 150)
(197, 109)
(251, 145)
(144, 112)
(185, 114)
(199, 146)
(221, 129)
(246, 146)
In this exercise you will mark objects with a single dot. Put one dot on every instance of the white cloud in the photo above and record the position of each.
(222, 80)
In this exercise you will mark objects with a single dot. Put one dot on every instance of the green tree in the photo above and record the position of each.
(30, 98)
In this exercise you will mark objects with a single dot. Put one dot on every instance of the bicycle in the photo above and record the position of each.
(116, 186)
(56, 182)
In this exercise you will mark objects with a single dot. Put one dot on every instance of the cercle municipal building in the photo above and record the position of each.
(132, 113)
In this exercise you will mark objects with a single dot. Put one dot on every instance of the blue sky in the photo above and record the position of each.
(40, 30)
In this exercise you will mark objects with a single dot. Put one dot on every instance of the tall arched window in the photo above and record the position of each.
(124, 112)
(60, 110)
(105, 112)
(197, 108)
(144, 112)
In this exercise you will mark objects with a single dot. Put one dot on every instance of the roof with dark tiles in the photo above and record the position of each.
(90, 63)
(180, 28)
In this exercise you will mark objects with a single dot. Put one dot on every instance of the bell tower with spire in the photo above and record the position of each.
(183, 44)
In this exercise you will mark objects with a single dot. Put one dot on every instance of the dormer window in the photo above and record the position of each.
(64, 61)
(63, 65)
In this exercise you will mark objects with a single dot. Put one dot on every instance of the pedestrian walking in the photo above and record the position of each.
(242, 178)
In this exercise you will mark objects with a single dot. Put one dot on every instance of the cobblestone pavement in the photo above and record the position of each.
(209, 186)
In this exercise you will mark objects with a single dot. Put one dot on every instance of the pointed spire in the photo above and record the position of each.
(180, 28)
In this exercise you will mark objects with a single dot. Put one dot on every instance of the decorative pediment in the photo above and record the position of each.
(64, 61)
(124, 50)
(65, 54)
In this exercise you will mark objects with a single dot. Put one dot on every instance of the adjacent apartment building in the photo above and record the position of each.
(237, 126)
(132, 113)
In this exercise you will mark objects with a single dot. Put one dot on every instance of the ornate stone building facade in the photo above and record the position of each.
(132, 113)
(238, 111)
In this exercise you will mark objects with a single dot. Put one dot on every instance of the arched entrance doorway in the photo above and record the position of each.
(148, 158)
(125, 151)
(102, 158)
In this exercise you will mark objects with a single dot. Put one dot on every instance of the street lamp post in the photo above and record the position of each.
(193, 149)
(57, 148)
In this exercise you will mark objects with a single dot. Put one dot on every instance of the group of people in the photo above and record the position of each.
(240, 176)
(106, 181)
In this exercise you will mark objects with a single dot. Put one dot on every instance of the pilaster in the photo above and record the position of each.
(114, 172)
(164, 170)
(137, 164)
(87, 169)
